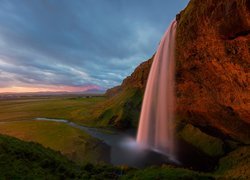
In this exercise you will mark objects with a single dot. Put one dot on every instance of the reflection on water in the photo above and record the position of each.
(54, 120)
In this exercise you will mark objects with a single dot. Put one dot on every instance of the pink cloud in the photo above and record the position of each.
(49, 88)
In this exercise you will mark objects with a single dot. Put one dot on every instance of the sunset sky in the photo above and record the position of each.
(63, 45)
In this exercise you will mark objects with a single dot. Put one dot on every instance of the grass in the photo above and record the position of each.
(72, 108)
(26, 160)
(95, 111)
(72, 142)
(18, 115)
(32, 161)
(121, 111)
(29, 160)
(165, 172)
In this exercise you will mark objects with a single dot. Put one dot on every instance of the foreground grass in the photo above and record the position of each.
(165, 172)
(23, 160)
(27, 160)
(72, 142)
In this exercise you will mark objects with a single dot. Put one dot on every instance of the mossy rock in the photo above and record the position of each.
(122, 110)
(210, 145)
(235, 165)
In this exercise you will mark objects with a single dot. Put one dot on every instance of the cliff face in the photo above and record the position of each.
(212, 68)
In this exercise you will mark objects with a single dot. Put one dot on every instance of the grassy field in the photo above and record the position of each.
(17, 119)
(78, 109)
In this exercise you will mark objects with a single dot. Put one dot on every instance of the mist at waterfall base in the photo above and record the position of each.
(155, 135)
(155, 143)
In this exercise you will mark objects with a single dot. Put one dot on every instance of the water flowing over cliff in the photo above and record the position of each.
(157, 116)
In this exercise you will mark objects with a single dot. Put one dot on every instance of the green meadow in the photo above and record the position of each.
(17, 120)
(77, 109)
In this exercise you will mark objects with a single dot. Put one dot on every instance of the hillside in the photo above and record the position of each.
(26, 160)
(122, 109)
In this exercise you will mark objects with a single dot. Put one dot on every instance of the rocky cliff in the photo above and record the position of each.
(212, 66)
(212, 71)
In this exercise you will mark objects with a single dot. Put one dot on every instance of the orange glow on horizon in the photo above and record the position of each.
(52, 88)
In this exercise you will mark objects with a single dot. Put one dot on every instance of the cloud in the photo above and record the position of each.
(78, 43)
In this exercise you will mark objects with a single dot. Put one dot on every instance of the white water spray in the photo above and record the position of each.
(156, 129)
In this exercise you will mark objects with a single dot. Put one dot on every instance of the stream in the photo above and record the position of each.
(123, 150)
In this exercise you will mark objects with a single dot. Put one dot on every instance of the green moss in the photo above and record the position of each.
(122, 110)
(235, 165)
(210, 145)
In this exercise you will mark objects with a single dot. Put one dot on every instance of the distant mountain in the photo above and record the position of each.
(47, 93)
(94, 91)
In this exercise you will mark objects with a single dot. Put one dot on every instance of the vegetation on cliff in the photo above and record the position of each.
(122, 109)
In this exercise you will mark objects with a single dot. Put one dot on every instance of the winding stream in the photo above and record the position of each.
(123, 148)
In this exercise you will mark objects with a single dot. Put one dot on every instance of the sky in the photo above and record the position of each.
(78, 45)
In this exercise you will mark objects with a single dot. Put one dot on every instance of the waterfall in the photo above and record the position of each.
(156, 129)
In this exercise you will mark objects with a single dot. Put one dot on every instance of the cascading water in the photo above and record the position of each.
(156, 130)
